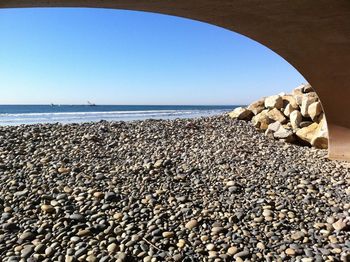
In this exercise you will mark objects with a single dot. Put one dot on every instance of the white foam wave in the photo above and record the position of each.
(78, 117)
(90, 113)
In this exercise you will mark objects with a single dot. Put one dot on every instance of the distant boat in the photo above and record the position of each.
(53, 104)
(90, 104)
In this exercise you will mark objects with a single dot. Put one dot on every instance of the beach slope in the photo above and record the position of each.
(168, 189)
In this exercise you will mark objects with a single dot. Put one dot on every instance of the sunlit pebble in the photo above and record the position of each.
(168, 190)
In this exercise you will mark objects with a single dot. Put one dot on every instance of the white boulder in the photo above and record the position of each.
(241, 113)
(288, 110)
(298, 90)
(306, 134)
(295, 119)
(257, 106)
(314, 110)
(320, 139)
(261, 120)
(274, 102)
(307, 100)
(285, 134)
(276, 115)
(289, 99)
(308, 88)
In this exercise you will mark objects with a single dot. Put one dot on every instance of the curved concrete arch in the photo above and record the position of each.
(312, 35)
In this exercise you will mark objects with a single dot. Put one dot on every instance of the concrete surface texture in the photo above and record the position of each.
(312, 35)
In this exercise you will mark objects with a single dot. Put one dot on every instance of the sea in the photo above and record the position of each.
(35, 114)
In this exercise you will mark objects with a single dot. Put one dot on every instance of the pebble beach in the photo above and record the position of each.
(206, 189)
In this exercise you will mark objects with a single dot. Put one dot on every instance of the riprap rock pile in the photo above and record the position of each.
(295, 118)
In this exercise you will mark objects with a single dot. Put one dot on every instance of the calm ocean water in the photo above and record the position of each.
(33, 114)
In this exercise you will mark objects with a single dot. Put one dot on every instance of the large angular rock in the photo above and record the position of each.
(257, 106)
(308, 99)
(323, 124)
(241, 113)
(287, 125)
(299, 90)
(314, 110)
(320, 139)
(292, 118)
(308, 88)
(319, 118)
(272, 128)
(306, 134)
(299, 99)
(295, 119)
(305, 124)
(289, 100)
(276, 115)
(288, 110)
(274, 102)
(277, 131)
(285, 134)
(261, 120)
(302, 89)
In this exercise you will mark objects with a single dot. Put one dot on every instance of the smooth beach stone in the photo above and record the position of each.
(27, 236)
(27, 251)
(98, 194)
(181, 243)
(112, 248)
(49, 251)
(67, 189)
(242, 254)
(232, 250)
(290, 252)
(9, 226)
(177, 257)
(21, 193)
(111, 196)
(77, 217)
(48, 208)
(217, 230)
(80, 252)
(63, 170)
(210, 247)
(297, 235)
(191, 224)
(168, 234)
(212, 254)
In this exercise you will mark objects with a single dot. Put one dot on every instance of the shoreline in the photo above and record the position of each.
(115, 122)
(206, 189)
(79, 114)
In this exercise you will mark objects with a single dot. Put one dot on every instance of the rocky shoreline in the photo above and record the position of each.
(296, 118)
(209, 189)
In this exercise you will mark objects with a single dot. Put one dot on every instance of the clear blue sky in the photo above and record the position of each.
(69, 56)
